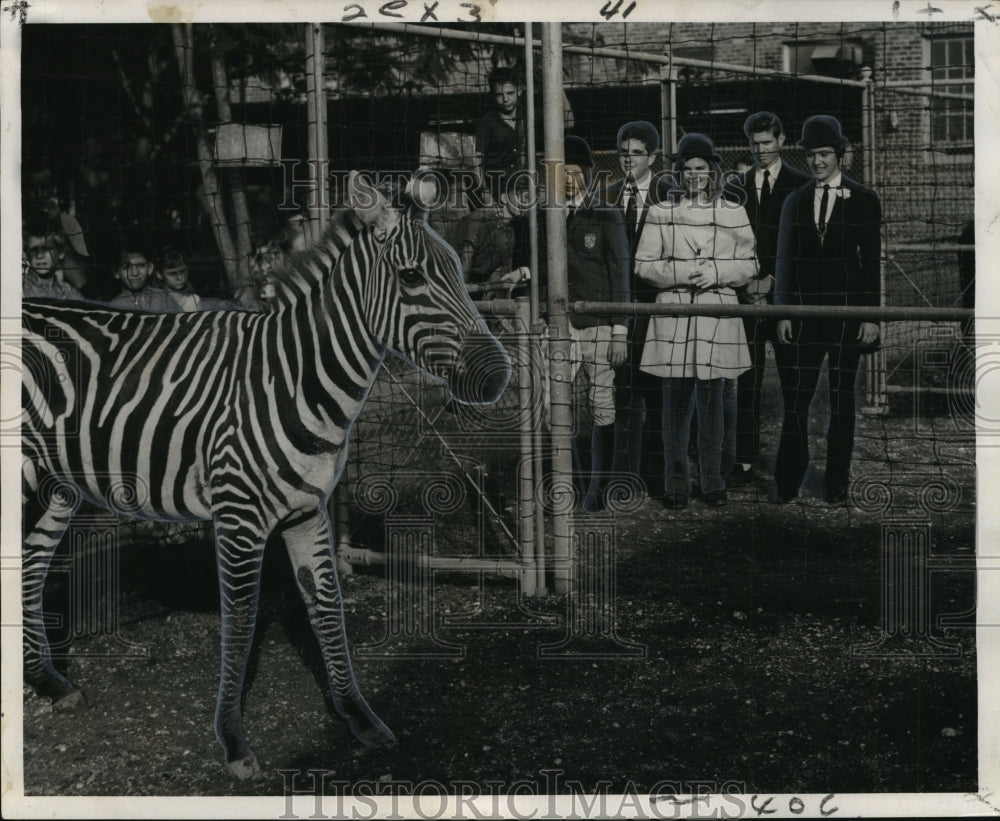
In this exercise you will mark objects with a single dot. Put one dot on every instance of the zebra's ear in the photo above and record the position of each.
(369, 204)
(423, 192)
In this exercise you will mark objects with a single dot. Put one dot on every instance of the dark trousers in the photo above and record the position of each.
(799, 366)
(682, 397)
(748, 390)
(638, 402)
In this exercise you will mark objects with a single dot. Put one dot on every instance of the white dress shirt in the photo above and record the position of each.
(642, 197)
(758, 178)
(835, 191)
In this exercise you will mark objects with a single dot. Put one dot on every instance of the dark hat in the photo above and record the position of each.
(578, 152)
(821, 130)
(695, 145)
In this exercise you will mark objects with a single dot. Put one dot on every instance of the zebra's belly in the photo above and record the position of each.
(157, 489)
(133, 496)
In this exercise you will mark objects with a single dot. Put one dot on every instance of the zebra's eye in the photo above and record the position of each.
(411, 277)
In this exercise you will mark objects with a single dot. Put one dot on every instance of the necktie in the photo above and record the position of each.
(765, 192)
(631, 208)
(823, 202)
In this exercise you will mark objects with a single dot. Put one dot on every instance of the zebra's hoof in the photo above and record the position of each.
(244, 768)
(70, 703)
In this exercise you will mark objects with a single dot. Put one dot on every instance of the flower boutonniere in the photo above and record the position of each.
(844, 193)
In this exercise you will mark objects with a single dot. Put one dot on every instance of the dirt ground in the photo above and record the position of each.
(755, 648)
(764, 660)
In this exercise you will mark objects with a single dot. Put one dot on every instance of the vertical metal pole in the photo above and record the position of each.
(875, 394)
(319, 214)
(668, 109)
(558, 296)
(527, 469)
(322, 156)
(539, 372)
(529, 91)
(871, 361)
(883, 395)
(534, 326)
(316, 129)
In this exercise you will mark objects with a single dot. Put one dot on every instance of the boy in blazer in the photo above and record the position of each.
(761, 190)
(829, 251)
(597, 262)
(638, 396)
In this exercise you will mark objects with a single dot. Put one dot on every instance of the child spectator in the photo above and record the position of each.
(43, 247)
(41, 196)
(174, 274)
(259, 293)
(597, 263)
(134, 269)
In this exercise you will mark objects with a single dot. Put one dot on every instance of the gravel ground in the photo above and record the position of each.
(745, 618)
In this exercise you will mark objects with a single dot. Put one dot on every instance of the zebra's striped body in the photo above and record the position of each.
(243, 419)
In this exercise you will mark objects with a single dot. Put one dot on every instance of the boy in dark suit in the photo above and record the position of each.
(829, 251)
(638, 395)
(762, 190)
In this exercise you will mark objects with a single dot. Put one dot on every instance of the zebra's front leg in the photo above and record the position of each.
(58, 501)
(310, 547)
(239, 557)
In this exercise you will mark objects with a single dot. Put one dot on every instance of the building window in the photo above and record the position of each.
(832, 58)
(704, 53)
(951, 72)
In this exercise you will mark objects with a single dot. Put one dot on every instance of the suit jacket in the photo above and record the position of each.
(597, 259)
(841, 269)
(659, 191)
(765, 225)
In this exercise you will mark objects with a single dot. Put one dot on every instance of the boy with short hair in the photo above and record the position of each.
(638, 396)
(500, 134)
(133, 271)
(174, 273)
(763, 187)
(43, 247)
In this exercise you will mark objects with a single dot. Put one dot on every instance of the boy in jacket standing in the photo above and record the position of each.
(829, 251)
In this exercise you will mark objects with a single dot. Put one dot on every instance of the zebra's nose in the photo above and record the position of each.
(482, 371)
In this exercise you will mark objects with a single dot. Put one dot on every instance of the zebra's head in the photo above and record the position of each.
(415, 301)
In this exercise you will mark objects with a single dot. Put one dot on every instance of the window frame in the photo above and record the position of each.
(958, 150)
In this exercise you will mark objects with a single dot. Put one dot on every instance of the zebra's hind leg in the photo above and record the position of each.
(47, 514)
(310, 548)
(239, 556)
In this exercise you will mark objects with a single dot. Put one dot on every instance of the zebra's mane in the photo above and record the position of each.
(307, 270)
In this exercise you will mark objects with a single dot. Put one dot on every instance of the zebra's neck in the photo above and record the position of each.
(330, 357)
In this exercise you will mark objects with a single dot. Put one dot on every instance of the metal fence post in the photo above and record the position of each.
(558, 295)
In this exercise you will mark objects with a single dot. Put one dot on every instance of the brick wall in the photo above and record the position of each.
(927, 193)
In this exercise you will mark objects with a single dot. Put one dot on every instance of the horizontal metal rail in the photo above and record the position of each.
(499, 567)
(868, 314)
(497, 307)
(604, 51)
(928, 247)
(953, 390)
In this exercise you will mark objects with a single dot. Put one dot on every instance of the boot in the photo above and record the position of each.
(602, 444)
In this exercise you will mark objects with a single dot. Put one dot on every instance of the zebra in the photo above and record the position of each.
(241, 418)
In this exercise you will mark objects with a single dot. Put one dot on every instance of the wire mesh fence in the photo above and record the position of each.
(171, 134)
